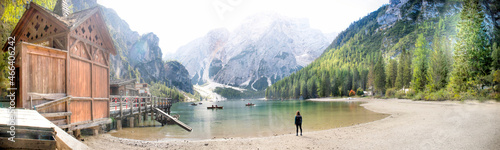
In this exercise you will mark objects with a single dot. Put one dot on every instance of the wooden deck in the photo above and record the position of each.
(134, 107)
(33, 131)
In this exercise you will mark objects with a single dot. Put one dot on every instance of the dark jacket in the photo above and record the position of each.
(298, 120)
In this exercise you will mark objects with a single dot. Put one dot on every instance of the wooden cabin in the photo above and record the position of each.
(128, 87)
(62, 65)
(143, 89)
(123, 87)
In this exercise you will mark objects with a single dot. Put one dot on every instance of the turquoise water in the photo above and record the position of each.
(266, 118)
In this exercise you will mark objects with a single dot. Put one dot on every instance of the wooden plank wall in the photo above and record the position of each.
(100, 80)
(101, 109)
(45, 71)
(80, 110)
(80, 74)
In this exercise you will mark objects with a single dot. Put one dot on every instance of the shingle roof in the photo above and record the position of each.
(71, 21)
(121, 81)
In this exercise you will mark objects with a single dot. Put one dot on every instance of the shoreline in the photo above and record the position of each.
(410, 125)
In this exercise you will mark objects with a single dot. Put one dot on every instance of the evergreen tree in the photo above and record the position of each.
(364, 78)
(371, 77)
(348, 82)
(420, 70)
(495, 55)
(407, 70)
(325, 85)
(355, 79)
(303, 90)
(472, 57)
(440, 60)
(400, 78)
(392, 72)
(379, 72)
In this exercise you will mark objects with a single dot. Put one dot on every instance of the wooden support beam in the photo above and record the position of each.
(52, 96)
(22, 143)
(119, 124)
(95, 130)
(45, 105)
(57, 114)
(78, 134)
(91, 124)
(59, 122)
(121, 107)
(131, 122)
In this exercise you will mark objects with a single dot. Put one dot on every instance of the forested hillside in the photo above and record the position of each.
(139, 56)
(434, 49)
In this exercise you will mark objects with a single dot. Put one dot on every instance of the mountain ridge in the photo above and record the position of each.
(263, 49)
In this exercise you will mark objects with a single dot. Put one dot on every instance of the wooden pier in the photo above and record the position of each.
(168, 117)
(135, 109)
(33, 131)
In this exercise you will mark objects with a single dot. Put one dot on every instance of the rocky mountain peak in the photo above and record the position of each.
(263, 49)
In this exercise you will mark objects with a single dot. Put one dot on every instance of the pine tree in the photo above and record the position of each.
(400, 78)
(303, 90)
(495, 55)
(355, 79)
(371, 77)
(325, 85)
(407, 70)
(440, 60)
(379, 72)
(420, 70)
(391, 72)
(472, 57)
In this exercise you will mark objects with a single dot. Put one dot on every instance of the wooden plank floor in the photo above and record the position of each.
(177, 121)
(31, 118)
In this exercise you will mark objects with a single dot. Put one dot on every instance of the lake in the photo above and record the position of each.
(266, 118)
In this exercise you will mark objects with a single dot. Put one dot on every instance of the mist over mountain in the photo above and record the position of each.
(265, 48)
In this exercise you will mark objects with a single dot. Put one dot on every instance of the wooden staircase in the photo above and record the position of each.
(54, 107)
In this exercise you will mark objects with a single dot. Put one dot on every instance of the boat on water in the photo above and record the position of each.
(216, 107)
(250, 104)
(200, 103)
(193, 104)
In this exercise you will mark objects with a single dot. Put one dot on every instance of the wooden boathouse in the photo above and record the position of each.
(62, 65)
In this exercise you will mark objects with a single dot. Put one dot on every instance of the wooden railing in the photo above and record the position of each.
(127, 105)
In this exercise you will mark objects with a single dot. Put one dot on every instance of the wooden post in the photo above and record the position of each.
(131, 121)
(137, 121)
(119, 124)
(78, 134)
(95, 130)
(131, 107)
(121, 110)
(139, 101)
(152, 107)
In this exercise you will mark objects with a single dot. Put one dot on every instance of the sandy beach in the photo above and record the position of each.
(411, 125)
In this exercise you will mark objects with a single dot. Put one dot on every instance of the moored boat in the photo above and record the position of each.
(216, 107)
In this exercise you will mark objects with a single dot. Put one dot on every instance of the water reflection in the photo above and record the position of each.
(266, 118)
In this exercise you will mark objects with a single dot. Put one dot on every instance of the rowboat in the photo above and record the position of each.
(194, 104)
(250, 104)
(218, 107)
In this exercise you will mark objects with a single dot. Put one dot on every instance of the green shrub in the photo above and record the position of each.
(419, 96)
(359, 92)
(390, 92)
(440, 95)
(410, 93)
(400, 94)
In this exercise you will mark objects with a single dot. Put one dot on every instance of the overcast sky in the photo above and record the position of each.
(177, 22)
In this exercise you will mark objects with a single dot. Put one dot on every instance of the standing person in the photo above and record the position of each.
(298, 123)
